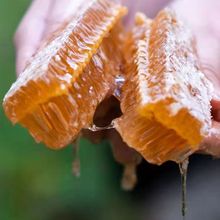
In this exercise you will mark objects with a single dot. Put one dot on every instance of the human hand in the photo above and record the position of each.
(45, 16)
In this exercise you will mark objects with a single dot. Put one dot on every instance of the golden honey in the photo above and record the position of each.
(165, 99)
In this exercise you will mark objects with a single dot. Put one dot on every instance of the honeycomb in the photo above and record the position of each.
(166, 99)
(58, 92)
(153, 70)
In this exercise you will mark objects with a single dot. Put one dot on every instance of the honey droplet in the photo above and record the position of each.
(96, 128)
(183, 167)
(76, 157)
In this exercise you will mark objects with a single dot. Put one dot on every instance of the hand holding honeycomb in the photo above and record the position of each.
(152, 69)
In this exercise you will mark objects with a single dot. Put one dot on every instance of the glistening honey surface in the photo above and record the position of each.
(165, 94)
(57, 94)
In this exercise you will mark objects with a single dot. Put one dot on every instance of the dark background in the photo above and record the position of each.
(37, 183)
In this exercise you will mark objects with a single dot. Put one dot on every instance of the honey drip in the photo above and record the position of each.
(76, 157)
(183, 167)
(119, 81)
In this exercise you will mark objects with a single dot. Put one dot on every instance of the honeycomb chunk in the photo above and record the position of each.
(58, 92)
(166, 98)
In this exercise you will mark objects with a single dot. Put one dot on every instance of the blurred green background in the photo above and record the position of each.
(37, 183)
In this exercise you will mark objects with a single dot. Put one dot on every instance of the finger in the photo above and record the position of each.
(211, 144)
(60, 12)
(29, 33)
